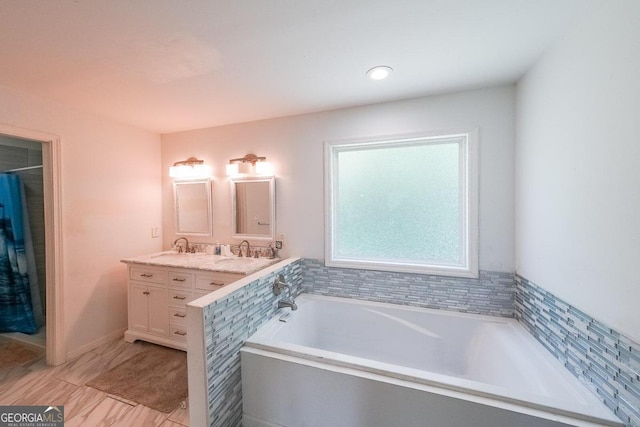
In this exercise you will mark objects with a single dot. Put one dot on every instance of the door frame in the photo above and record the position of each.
(52, 178)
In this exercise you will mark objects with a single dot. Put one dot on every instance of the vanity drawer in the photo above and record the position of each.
(178, 298)
(213, 281)
(152, 275)
(178, 315)
(178, 332)
(183, 280)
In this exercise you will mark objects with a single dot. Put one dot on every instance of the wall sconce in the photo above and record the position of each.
(251, 165)
(191, 168)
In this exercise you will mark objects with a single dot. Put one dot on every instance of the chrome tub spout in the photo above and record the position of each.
(278, 285)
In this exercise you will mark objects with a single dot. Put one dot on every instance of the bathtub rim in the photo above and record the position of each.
(568, 419)
(596, 411)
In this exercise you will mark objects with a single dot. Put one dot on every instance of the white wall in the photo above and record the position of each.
(578, 167)
(295, 146)
(111, 199)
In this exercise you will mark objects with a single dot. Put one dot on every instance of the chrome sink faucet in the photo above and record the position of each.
(278, 285)
(271, 252)
(248, 253)
(186, 244)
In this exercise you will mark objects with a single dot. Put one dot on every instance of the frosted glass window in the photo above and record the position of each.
(401, 204)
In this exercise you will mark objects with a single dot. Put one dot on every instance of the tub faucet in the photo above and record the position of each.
(278, 285)
(286, 303)
(186, 244)
(248, 253)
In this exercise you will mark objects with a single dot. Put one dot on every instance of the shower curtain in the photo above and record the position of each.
(20, 308)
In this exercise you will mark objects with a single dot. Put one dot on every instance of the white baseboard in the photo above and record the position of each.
(132, 336)
(95, 344)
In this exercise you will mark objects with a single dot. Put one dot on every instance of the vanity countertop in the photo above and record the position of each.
(203, 262)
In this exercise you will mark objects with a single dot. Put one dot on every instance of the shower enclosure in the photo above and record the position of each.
(22, 255)
(20, 307)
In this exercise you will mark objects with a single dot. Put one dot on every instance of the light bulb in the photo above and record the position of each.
(380, 72)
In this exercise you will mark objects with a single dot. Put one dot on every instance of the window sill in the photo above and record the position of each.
(406, 268)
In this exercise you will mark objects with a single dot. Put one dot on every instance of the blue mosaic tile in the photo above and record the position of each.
(605, 360)
(228, 324)
(492, 293)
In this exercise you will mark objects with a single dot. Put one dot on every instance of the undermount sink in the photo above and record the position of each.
(175, 255)
(201, 261)
(236, 261)
(163, 255)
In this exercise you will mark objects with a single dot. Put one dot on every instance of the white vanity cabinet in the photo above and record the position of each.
(158, 297)
(148, 309)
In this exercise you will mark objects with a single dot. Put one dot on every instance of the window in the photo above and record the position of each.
(403, 204)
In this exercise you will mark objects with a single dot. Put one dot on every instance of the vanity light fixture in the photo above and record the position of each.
(251, 165)
(380, 72)
(191, 168)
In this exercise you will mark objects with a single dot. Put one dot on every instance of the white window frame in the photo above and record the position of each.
(468, 196)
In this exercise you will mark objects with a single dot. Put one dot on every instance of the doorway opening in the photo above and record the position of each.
(34, 156)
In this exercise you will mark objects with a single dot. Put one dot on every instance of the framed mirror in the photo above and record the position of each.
(193, 207)
(253, 207)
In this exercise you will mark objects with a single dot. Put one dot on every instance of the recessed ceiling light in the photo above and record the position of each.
(380, 72)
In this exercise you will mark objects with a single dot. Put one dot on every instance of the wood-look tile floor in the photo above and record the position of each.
(64, 385)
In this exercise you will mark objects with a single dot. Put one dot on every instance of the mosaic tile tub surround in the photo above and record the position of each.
(606, 361)
(491, 294)
(228, 323)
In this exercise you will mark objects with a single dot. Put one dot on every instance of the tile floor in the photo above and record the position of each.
(35, 340)
(38, 384)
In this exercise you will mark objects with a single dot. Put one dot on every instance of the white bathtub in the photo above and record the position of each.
(342, 362)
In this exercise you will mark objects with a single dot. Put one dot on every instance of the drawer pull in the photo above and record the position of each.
(181, 315)
(179, 297)
(146, 293)
(216, 284)
(182, 333)
(146, 275)
(179, 279)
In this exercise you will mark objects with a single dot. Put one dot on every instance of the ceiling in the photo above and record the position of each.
(171, 65)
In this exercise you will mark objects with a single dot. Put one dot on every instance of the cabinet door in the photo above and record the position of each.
(138, 308)
(158, 311)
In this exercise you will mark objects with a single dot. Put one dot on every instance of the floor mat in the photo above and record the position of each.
(14, 354)
(156, 377)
